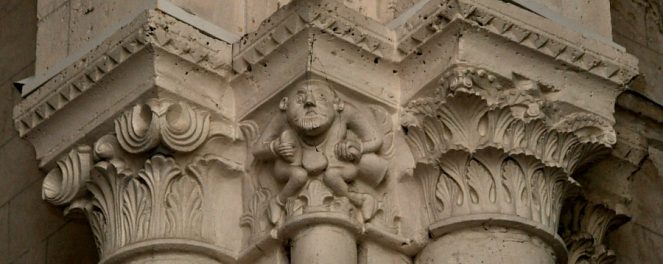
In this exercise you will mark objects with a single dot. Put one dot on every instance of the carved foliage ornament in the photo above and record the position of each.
(584, 226)
(474, 109)
(66, 182)
(486, 145)
(175, 125)
(129, 201)
(161, 200)
(491, 182)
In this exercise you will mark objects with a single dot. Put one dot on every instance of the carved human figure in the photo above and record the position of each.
(311, 138)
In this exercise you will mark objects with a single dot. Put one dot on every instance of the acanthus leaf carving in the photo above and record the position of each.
(158, 174)
(158, 201)
(481, 183)
(469, 112)
(428, 177)
(496, 148)
(255, 213)
(515, 186)
(210, 178)
(584, 226)
(184, 205)
(448, 191)
(489, 181)
(107, 187)
(136, 210)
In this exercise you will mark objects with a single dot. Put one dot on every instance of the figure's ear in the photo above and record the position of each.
(339, 105)
(283, 105)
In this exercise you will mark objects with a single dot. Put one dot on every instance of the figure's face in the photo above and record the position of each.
(310, 109)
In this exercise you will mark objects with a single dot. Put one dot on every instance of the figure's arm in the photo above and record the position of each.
(365, 127)
(265, 147)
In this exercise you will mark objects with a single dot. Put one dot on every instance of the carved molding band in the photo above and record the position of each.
(152, 29)
(430, 20)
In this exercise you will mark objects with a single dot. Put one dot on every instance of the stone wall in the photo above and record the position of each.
(638, 26)
(31, 230)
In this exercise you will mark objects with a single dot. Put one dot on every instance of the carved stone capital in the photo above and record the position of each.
(494, 151)
(584, 226)
(153, 183)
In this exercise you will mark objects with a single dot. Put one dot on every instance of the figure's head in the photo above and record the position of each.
(311, 106)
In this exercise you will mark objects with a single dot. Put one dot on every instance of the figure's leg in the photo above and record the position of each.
(295, 176)
(372, 168)
(336, 179)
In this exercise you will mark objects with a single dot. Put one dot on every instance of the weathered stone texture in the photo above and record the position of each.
(30, 220)
(36, 254)
(331, 131)
(73, 243)
(227, 14)
(27, 223)
(647, 185)
(18, 173)
(634, 243)
(4, 231)
(52, 40)
(637, 25)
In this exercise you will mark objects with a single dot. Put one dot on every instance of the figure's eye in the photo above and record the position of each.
(299, 99)
(321, 97)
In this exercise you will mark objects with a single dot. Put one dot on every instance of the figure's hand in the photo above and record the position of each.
(286, 151)
(348, 150)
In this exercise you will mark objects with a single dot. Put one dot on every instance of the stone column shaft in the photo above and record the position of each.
(323, 244)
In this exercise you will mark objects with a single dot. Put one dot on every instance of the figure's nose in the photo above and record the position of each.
(309, 99)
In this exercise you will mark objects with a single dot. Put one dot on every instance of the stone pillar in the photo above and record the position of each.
(496, 181)
(148, 194)
(487, 243)
(324, 244)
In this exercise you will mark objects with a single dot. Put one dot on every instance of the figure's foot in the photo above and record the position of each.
(368, 207)
(365, 202)
(275, 210)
